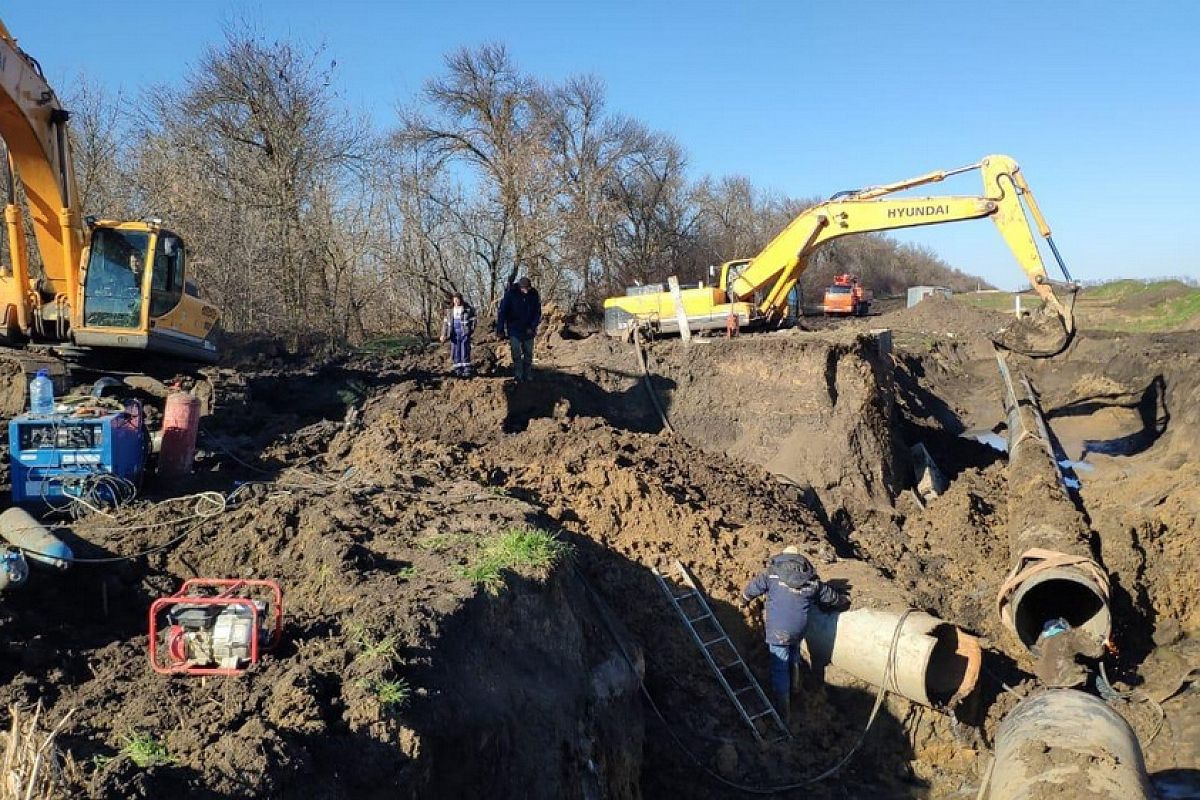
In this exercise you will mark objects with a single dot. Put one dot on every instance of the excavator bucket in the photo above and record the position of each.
(1042, 334)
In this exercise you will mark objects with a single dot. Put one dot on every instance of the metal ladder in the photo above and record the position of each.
(722, 657)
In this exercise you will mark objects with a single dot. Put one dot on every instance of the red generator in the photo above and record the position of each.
(215, 626)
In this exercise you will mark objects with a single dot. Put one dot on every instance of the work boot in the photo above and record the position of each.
(783, 705)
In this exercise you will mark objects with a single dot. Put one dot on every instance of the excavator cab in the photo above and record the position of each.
(136, 294)
(113, 278)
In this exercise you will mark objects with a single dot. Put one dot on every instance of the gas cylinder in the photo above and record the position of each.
(20, 528)
(181, 421)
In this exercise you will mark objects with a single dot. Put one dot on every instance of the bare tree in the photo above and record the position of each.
(483, 115)
(100, 146)
(300, 221)
(656, 222)
(589, 147)
(263, 141)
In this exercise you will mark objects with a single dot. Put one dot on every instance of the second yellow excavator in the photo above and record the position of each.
(754, 292)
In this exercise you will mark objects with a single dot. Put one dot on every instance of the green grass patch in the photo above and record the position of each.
(390, 345)
(516, 548)
(1125, 289)
(373, 649)
(391, 694)
(1126, 306)
(145, 751)
(1173, 314)
(434, 542)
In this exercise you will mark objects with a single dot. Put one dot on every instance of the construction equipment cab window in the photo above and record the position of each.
(166, 283)
(113, 289)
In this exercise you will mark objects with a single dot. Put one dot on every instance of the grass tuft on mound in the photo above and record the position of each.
(515, 549)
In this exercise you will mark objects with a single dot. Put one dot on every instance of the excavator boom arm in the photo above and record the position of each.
(777, 268)
(33, 126)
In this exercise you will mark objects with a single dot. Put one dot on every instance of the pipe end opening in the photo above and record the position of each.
(1068, 597)
(954, 665)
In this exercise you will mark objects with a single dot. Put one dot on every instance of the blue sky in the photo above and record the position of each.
(1099, 101)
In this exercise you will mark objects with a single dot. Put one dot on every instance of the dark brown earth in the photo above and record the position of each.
(385, 477)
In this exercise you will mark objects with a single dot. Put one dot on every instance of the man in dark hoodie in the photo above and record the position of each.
(518, 319)
(792, 587)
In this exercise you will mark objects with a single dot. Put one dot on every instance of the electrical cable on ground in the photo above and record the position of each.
(889, 671)
(641, 358)
(1108, 692)
(206, 506)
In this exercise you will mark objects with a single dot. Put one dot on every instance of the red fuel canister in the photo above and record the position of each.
(181, 421)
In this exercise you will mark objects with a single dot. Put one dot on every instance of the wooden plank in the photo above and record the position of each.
(685, 332)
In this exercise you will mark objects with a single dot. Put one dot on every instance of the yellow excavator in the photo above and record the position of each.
(99, 284)
(754, 292)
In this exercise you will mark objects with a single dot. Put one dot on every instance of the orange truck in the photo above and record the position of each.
(847, 297)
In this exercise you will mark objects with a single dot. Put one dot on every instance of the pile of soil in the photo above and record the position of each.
(637, 500)
(383, 478)
(945, 316)
(523, 692)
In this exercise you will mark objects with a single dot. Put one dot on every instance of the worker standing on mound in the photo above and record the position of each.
(791, 586)
(457, 326)
(518, 319)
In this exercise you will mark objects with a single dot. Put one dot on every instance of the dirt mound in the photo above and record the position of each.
(368, 543)
(813, 409)
(635, 499)
(945, 316)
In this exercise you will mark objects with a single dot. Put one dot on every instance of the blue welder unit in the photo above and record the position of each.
(53, 453)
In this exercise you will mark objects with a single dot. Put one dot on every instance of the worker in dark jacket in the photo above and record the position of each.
(792, 587)
(518, 319)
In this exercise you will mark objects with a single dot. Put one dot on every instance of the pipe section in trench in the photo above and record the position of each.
(1054, 579)
(935, 663)
(1066, 745)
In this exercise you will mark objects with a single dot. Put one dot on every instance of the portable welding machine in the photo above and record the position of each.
(97, 454)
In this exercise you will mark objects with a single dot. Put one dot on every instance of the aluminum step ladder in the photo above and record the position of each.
(723, 658)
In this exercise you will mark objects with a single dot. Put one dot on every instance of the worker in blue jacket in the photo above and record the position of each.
(518, 319)
(792, 587)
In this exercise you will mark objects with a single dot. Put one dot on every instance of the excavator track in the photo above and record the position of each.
(221, 391)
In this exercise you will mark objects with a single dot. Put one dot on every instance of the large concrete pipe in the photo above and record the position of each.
(1053, 578)
(1068, 745)
(934, 663)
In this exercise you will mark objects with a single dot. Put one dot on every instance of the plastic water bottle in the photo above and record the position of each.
(41, 393)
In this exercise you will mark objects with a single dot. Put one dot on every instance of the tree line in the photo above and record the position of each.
(302, 219)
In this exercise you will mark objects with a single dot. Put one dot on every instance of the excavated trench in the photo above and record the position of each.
(395, 475)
